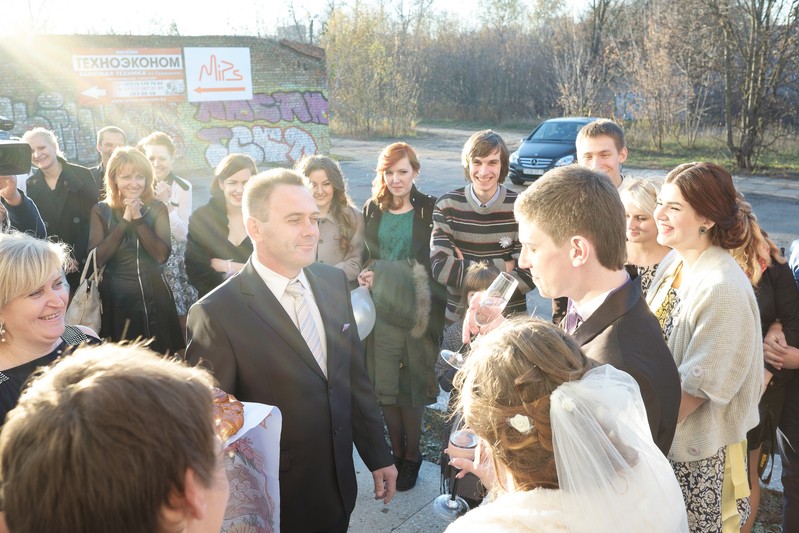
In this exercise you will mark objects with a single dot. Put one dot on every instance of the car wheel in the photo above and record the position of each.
(516, 181)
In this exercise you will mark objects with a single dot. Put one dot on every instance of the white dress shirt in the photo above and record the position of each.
(277, 284)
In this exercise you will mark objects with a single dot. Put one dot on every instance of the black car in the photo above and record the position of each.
(550, 145)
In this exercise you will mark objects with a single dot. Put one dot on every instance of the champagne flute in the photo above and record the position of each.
(494, 299)
(462, 444)
(454, 359)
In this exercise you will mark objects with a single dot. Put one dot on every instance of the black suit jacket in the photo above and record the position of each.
(624, 333)
(245, 337)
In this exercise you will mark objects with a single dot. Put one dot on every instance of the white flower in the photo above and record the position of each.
(521, 423)
(568, 404)
(505, 242)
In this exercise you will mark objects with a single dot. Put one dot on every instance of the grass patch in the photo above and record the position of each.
(780, 161)
(339, 157)
(477, 125)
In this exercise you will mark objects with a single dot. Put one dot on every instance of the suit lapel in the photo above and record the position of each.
(267, 307)
(615, 305)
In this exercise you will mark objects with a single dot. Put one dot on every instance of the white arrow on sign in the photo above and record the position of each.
(94, 92)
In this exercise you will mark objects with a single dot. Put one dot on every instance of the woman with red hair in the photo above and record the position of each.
(401, 351)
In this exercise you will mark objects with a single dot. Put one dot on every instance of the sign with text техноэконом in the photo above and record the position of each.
(109, 75)
(215, 74)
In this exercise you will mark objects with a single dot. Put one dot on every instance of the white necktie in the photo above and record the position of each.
(306, 323)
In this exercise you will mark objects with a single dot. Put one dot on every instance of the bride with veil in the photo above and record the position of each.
(564, 445)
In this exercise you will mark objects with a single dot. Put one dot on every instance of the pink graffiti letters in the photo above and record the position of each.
(308, 107)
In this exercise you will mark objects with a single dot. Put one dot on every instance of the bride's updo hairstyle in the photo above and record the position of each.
(710, 191)
(505, 389)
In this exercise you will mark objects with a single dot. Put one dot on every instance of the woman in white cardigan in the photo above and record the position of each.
(710, 319)
(564, 446)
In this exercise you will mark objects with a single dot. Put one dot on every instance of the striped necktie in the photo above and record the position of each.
(306, 324)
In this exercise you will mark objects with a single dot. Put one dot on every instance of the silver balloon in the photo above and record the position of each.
(364, 310)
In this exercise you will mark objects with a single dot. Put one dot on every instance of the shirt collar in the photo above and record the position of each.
(586, 309)
(276, 282)
(488, 203)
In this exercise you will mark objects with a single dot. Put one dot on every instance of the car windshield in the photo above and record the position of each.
(557, 131)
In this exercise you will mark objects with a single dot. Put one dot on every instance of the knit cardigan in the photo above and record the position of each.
(716, 342)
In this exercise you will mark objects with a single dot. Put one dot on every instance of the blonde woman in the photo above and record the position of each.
(130, 230)
(33, 301)
(643, 249)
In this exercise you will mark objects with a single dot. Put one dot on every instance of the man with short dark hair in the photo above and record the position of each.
(601, 146)
(475, 223)
(109, 139)
(282, 332)
(571, 227)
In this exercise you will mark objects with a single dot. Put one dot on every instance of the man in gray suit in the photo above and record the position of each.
(282, 332)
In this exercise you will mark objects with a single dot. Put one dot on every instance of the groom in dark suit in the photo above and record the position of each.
(282, 332)
(572, 229)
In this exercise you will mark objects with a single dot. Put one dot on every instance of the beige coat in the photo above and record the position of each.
(331, 253)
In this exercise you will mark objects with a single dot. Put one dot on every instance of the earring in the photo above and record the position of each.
(702, 230)
(2, 331)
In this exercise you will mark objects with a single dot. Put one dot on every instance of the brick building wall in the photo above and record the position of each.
(286, 118)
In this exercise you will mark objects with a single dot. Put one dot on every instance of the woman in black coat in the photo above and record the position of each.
(130, 231)
(402, 349)
(65, 195)
(218, 245)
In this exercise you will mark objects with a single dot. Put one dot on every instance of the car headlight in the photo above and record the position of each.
(563, 161)
(514, 157)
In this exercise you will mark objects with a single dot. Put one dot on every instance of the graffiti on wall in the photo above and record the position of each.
(308, 107)
(218, 128)
(74, 127)
(263, 143)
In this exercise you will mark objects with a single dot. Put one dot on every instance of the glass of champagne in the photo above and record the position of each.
(494, 299)
(454, 359)
(462, 444)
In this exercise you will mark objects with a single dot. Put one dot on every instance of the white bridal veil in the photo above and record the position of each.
(612, 475)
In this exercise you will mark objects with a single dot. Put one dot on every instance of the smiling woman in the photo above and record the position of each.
(340, 224)
(218, 245)
(33, 300)
(709, 315)
(130, 231)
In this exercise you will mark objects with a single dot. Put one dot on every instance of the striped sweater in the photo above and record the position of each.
(488, 234)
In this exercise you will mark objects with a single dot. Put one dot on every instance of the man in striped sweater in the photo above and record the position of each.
(475, 223)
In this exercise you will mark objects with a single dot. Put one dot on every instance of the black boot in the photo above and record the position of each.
(408, 473)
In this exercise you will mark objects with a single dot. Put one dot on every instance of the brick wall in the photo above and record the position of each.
(287, 117)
